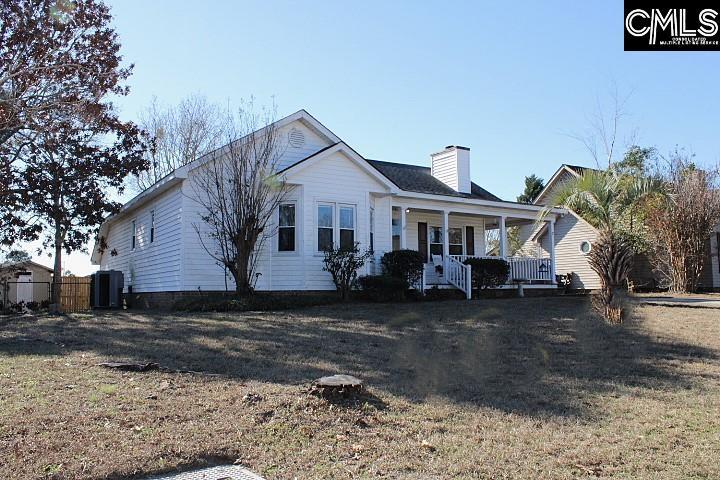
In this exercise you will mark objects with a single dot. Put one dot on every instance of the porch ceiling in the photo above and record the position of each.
(491, 221)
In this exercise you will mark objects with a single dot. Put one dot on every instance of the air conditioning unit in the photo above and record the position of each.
(106, 288)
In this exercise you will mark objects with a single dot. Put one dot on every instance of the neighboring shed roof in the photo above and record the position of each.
(414, 178)
(26, 264)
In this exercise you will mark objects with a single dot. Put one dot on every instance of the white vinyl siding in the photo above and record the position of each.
(570, 232)
(337, 180)
(151, 267)
(445, 170)
(292, 154)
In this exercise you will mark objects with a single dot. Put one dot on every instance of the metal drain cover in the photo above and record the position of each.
(228, 472)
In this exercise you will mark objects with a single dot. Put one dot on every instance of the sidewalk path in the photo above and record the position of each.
(699, 301)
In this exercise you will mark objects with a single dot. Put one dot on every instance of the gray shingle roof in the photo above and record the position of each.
(414, 178)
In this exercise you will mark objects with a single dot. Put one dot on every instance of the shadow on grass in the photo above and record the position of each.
(544, 356)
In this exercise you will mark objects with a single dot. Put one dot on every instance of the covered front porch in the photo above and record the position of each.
(447, 237)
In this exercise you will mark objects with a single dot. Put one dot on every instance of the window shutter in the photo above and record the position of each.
(469, 240)
(423, 240)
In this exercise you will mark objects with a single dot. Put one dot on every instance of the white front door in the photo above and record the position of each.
(24, 287)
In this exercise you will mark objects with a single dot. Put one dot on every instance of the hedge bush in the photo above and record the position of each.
(383, 288)
(259, 301)
(404, 264)
(488, 272)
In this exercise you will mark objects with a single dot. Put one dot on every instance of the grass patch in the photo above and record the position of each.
(108, 389)
(512, 388)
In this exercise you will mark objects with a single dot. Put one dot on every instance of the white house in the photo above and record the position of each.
(336, 196)
(574, 238)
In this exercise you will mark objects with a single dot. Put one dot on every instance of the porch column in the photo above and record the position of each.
(503, 237)
(446, 240)
(551, 236)
(403, 228)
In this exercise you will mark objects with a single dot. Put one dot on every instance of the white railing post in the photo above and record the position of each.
(446, 237)
(503, 238)
(468, 281)
(403, 228)
(551, 235)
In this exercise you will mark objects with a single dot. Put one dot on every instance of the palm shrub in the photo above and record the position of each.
(608, 201)
(343, 264)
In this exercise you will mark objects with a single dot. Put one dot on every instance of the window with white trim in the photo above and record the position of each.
(396, 228)
(585, 247)
(286, 227)
(325, 226)
(346, 223)
(134, 235)
(435, 238)
(455, 241)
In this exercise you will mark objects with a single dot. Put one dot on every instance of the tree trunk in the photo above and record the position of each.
(243, 286)
(57, 270)
(611, 258)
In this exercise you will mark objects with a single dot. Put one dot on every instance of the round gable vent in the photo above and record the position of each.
(296, 138)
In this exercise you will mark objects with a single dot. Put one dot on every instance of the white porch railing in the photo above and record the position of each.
(459, 275)
(527, 268)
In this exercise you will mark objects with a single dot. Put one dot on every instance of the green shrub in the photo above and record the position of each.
(440, 294)
(405, 264)
(262, 301)
(343, 265)
(383, 288)
(488, 272)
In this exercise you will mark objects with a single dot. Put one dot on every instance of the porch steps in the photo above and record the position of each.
(434, 279)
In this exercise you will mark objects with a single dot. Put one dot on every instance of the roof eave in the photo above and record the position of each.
(480, 202)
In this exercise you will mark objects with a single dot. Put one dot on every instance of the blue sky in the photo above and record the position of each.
(400, 80)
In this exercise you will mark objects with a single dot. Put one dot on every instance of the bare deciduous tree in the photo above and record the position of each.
(238, 191)
(602, 134)
(682, 220)
(181, 134)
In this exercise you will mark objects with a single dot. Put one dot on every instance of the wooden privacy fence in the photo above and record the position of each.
(75, 294)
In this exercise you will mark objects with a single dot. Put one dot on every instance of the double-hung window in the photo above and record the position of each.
(286, 227)
(336, 226)
(347, 226)
(396, 228)
(455, 241)
(134, 235)
(436, 241)
(326, 226)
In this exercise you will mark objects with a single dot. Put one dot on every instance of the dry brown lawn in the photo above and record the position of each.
(517, 388)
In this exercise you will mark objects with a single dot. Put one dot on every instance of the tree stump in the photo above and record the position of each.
(342, 384)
